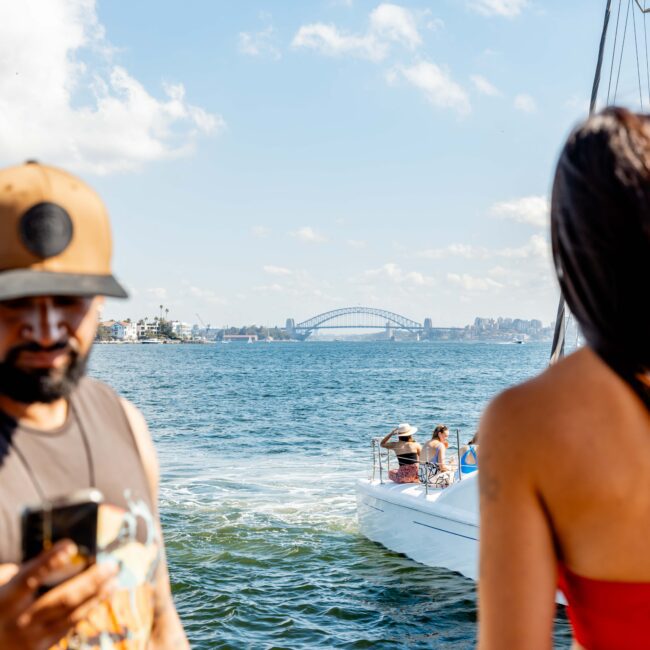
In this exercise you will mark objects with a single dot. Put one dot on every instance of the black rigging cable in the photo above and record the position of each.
(645, 34)
(638, 66)
(557, 348)
(620, 61)
(611, 67)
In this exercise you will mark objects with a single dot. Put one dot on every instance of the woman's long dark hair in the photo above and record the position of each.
(438, 430)
(600, 231)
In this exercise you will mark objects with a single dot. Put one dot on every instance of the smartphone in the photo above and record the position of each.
(73, 517)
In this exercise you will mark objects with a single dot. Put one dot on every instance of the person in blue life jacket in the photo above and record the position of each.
(469, 456)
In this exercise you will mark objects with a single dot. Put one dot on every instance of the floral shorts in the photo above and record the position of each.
(405, 474)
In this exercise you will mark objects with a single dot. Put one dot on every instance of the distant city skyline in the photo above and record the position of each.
(271, 160)
(479, 322)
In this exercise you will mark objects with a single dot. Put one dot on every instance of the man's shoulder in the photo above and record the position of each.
(89, 386)
(97, 393)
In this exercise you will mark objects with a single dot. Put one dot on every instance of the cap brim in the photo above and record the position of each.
(21, 283)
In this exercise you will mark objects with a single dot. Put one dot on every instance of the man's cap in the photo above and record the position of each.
(55, 236)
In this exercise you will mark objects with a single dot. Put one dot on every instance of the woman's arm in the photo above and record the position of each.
(518, 572)
(384, 443)
(441, 458)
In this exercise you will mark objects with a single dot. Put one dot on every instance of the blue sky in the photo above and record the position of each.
(265, 160)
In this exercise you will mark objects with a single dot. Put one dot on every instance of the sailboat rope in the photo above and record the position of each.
(620, 60)
(611, 66)
(638, 67)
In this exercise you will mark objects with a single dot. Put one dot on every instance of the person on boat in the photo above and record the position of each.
(407, 452)
(545, 512)
(434, 451)
(469, 456)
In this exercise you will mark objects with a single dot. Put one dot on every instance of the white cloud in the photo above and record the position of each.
(389, 24)
(484, 86)
(260, 231)
(276, 270)
(158, 292)
(206, 295)
(433, 24)
(393, 273)
(397, 24)
(499, 272)
(537, 247)
(265, 288)
(260, 43)
(436, 83)
(63, 100)
(309, 235)
(525, 103)
(356, 243)
(506, 8)
(454, 250)
(473, 283)
(532, 210)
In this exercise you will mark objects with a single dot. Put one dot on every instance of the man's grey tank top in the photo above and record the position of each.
(94, 448)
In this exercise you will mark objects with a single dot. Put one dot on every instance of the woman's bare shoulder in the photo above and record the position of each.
(543, 407)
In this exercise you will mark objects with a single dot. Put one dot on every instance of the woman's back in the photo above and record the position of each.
(565, 458)
(431, 451)
(588, 445)
(565, 470)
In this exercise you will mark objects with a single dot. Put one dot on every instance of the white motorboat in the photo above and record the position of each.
(432, 525)
(438, 528)
(435, 526)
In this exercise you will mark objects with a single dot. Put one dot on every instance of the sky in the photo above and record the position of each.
(267, 160)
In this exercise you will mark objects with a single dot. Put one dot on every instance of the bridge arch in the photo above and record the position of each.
(355, 317)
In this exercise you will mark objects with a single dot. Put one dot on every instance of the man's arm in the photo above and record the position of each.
(32, 622)
(167, 631)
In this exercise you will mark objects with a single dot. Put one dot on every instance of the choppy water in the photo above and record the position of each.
(260, 446)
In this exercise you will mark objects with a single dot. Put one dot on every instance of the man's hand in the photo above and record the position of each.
(30, 622)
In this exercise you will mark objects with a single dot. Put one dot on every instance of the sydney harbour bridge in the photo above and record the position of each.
(361, 318)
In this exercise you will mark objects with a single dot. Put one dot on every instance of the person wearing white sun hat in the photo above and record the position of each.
(407, 452)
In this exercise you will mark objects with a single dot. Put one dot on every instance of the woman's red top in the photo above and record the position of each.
(607, 615)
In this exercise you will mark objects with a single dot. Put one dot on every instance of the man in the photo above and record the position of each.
(61, 432)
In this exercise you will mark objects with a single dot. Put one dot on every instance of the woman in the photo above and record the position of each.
(407, 452)
(469, 456)
(439, 471)
(435, 450)
(565, 458)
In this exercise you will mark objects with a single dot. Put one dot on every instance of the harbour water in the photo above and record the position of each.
(260, 446)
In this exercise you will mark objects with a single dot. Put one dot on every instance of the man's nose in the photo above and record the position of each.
(46, 325)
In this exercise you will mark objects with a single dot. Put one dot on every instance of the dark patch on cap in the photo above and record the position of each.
(46, 230)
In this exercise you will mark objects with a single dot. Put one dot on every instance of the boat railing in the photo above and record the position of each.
(429, 473)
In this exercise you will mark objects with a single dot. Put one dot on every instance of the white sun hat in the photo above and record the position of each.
(405, 429)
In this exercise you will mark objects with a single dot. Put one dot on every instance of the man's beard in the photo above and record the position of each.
(40, 384)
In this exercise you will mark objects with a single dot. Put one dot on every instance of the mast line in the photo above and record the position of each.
(557, 349)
